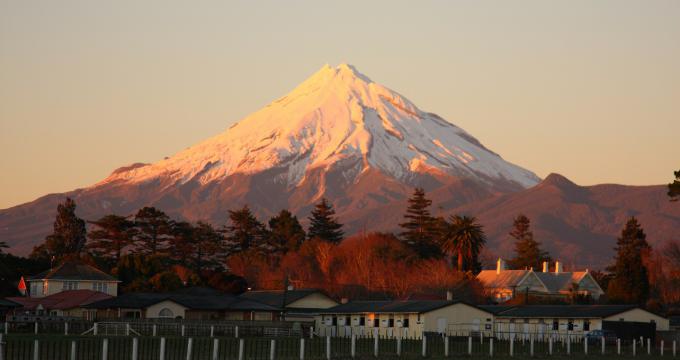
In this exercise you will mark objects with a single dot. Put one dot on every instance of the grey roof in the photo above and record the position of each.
(556, 282)
(557, 311)
(194, 302)
(506, 278)
(399, 306)
(74, 270)
(275, 297)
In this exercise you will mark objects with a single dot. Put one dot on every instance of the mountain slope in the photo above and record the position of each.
(338, 134)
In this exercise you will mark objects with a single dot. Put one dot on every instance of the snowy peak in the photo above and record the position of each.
(337, 119)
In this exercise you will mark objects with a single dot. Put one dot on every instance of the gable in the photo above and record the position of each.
(588, 283)
(532, 283)
(315, 300)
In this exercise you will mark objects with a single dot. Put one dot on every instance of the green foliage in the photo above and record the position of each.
(323, 224)
(153, 228)
(285, 232)
(111, 235)
(420, 228)
(13, 267)
(244, 230)
(528, 253)
(136, 270)
(463, 238)
(674, 187)
(68, 237)
(630, 282)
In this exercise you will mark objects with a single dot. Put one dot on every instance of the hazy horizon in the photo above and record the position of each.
(587, 90)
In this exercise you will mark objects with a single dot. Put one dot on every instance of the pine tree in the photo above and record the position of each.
(285, 230)
(528, 253)
(323, 224)
(674, 187)
(3, 245)
(464, 241)
(245, 231)
(153, 230)
(112, 234)
(420, 228)
(630, 283)
(209, 246)
(68, 237)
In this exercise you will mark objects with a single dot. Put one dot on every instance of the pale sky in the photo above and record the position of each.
(588, 89)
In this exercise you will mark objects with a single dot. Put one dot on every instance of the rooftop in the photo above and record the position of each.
(214, 301)
(399, 306)
(557, 311)
(74, 270)
(276, 297)
(63, 300)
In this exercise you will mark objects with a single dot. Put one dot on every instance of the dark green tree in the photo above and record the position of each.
(209, 246)
(421, 229)
(3, 245)
(464, 239)
(182, 242)
(245, 231)
(674, 187)
(68, 237)
(323, 224)
(153, 231)
(111, 235)
(528, 253)
(630, 282)
(285, 232)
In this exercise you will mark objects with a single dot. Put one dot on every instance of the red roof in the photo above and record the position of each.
(62, 300)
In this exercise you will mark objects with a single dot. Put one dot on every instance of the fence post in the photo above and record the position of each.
(302, 348)
(446, 346)
(353, 347)
(603, 345)
(190, 345)
(376, 339)
(73, 350)
(424, 345)
(618, 346)
(6, 327)
(36, 328)
(212, 330)
(661, 347)
(568, 344)
(311, 332)
(36, 350)
(491, 346)
(585, 345)
(649, 346)
(105, 349)
(236, 331)
(272, 349)
(512, 343)
(66, 328)
(127, 329)
(399, 345)
(531, 346)
(135, 348)
(216, 349)
(481, 337)
(550, 345)
(241, 349)
(153, 330)
(634, 346)
(162, 355)
(95, 328)
(2, 349)
(182, 330)
(328, 347)
(673, 348)
(469, 345)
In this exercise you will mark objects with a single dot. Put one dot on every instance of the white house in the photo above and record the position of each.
(72, 275)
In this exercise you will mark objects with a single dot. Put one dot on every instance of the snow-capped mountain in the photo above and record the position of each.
(337, 117)
(338, 135)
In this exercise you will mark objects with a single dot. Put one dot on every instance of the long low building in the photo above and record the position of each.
(406, 319)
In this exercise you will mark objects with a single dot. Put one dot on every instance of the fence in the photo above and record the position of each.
(55, 347)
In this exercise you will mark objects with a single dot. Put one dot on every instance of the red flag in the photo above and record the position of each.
(22, 286)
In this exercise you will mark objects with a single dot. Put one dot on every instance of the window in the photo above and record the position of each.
(570, 325)
(69, 285)
(406, 322)
(586, 325)
(556, 325)
(362, 321)
(376, 322)
(166, 313)
(391, 323)
(34, 289)
(335, 321)
(348, 321)
(100, 286)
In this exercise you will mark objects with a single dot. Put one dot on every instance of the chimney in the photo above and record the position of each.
(545, 267)
(558, 267)
(449, 295)
(500, 266)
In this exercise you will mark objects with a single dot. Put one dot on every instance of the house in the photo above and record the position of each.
(561, 320)
(195, 304)
(72, 275)
(503, 284)
(297, 304)
(68, 303)
(405, 319)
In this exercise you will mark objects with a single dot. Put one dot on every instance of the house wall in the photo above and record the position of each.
(177, 309)
(57, 286)
(323, 324)
(542, 327)
(315, 301)
(640, 315)
(460, 319)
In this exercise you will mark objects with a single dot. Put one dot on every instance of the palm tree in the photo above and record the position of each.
(463, 237)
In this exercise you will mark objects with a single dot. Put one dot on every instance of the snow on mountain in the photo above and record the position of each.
(337, 117)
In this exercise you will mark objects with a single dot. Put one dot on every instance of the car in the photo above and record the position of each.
(597, 335)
